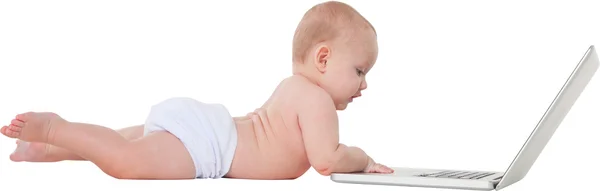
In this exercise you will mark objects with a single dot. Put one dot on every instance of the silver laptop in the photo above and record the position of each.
(484, 180)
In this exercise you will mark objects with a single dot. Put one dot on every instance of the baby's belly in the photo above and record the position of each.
(274, 152)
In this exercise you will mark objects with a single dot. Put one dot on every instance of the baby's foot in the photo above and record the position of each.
(32, 126)
(29, 152)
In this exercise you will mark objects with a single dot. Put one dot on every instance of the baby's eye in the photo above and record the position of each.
(358, 72)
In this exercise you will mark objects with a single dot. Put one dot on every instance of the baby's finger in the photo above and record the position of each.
(389, 170)
(384, 169)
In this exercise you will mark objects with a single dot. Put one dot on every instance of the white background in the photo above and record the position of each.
(458, 84)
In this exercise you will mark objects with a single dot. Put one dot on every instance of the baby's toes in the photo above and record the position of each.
(7, 131)
(17, 123)
(25, 116)
(14, 128)
(4, 130)
(14, 134)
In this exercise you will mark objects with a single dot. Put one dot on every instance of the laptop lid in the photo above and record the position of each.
(556, 112)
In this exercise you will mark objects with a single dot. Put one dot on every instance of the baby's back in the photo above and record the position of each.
(270, 144)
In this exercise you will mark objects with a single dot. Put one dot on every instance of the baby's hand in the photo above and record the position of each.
(374, 167)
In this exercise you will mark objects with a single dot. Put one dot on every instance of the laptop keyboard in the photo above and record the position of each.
(458, 174)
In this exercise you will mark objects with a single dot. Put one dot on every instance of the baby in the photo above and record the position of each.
(334, 48)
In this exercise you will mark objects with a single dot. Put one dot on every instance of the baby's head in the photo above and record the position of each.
(335, 46)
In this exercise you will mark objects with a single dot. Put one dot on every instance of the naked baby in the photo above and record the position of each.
(334, 48)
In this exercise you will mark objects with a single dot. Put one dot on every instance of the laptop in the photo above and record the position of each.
(485, 180)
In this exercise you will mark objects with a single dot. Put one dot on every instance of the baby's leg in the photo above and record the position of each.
(43, 152)
(158, 155)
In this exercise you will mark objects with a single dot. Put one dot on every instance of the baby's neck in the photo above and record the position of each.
(308, 77)
(302, 71)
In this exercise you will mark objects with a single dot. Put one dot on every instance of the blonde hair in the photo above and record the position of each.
(328, 21)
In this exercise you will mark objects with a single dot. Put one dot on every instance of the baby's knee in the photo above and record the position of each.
(124, 166)
(123, 173)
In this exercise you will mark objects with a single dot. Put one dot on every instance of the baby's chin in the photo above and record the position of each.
(341, 107)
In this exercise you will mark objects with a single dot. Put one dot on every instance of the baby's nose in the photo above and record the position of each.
(363, 85)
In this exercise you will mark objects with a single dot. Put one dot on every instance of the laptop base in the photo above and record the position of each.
(420, 177)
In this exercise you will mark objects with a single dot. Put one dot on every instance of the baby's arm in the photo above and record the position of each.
(319, 123)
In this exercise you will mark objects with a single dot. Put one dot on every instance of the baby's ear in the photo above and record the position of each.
(322, 54)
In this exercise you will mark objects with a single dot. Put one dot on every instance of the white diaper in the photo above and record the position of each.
(207, 131)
